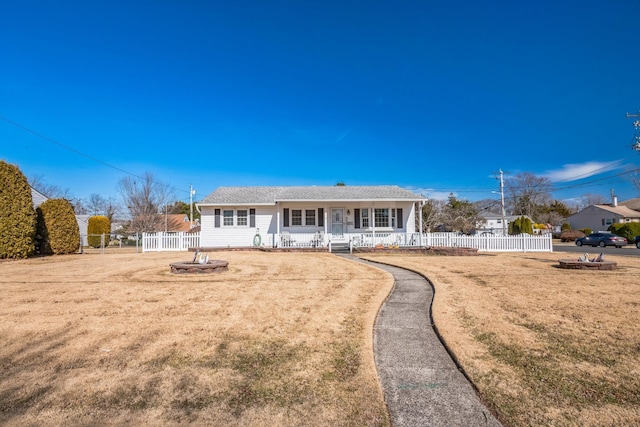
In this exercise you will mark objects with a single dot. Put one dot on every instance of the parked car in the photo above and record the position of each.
(602, 240)
(636, 241)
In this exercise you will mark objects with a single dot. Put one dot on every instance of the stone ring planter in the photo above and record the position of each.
(213, 266)
(574, 264)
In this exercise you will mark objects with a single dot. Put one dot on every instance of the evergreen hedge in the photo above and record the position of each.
(97, 226)
(521, 225)
(57, 231)
(629, 230)
(17, 216)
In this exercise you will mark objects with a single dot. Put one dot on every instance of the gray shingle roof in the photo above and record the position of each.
(623, 211)
(271, 195)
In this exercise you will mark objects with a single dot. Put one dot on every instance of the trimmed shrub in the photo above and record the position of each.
(615, 228)
(57, 231)
(17, 216)
(586, 230)
(629, 230)
(565, 226)
(571, 235)
(521, 225)
(97, 226)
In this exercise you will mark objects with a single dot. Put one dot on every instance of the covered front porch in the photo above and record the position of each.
(352, 240)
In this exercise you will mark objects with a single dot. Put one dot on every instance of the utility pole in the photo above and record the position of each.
(504, 233)
(191, 193)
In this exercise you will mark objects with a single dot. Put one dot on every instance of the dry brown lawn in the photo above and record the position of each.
(116, 339)
(544, 346)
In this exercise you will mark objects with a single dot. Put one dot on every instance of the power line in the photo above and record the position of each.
(80, 153)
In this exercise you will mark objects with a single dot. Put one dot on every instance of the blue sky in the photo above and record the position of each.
(432, 96)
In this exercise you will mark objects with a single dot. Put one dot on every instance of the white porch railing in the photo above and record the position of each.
(158, 242)
(485, 243)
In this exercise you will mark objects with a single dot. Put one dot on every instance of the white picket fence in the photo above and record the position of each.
(158, 242)
(492, 242)
(155, 242)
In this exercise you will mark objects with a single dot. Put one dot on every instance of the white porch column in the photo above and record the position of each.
(276, 243)
(373, 225)
(420, 223)
(326, 224)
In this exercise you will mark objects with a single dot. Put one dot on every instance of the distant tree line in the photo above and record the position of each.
(526, 195)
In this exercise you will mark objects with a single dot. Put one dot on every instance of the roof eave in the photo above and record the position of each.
(236, 204)
(392, 199)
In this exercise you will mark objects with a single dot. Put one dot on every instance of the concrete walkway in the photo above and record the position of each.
(422, 385)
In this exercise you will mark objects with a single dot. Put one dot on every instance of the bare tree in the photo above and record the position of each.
(112, 209)
(460, 215)
(432, 214)
(527, 193)
(51, 191)
(592, 199)
(144, 198)
(79, 207)
(96, 204)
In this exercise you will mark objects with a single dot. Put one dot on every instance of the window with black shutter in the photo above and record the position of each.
(252, 218)
(285, 213)
(216, 221)
(356, 218)
(320, 217)
(400, 223)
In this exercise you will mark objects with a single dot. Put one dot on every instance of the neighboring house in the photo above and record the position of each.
(493, 222)
(600, 217)
(83, 225)
(631, 204)
(37, 197)
(174, 223)
(282, 216)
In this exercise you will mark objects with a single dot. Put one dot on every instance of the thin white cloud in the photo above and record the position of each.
(432, 194)
(575, 171)
(344, 135)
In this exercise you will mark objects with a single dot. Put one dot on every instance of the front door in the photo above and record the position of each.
(337, 221)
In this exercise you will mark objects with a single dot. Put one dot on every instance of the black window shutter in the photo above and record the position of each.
(356, 218)
(252, 217)
(286, 217)
(216, 222)
(320, 217)
(400, 223)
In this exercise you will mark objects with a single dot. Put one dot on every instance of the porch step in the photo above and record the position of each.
(340, 247)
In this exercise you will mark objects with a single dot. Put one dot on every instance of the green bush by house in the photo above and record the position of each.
(586, 230)
(57, 231)
(629, 230)
(17, 216)
(97, 226)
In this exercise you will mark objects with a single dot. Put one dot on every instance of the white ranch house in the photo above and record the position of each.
(335, 218)
(316, 216)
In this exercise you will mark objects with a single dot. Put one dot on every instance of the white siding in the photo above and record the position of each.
(594, 218)
(266, 222)
(234, 236)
